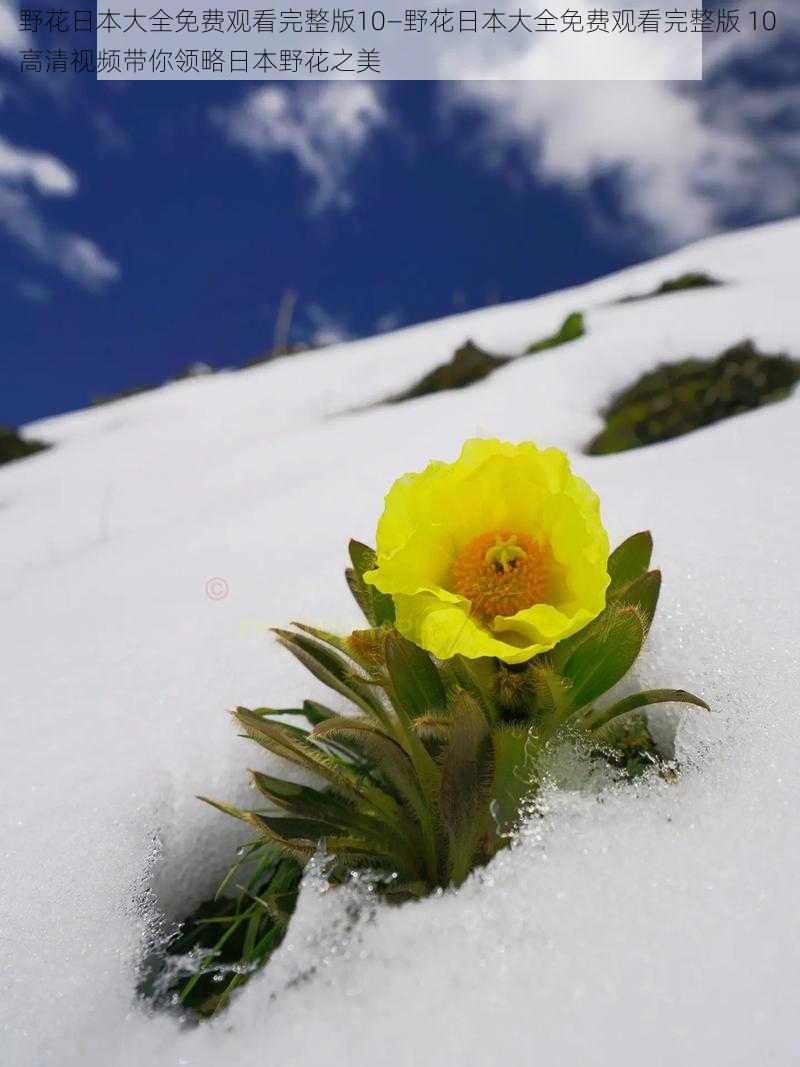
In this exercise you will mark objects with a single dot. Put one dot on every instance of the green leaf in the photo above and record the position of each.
(597, 719)
(605, 656)
(414, 691)
(378, 608)
(339, 818)
(295, 828)
(301, 800)
(411, 694)
(553, 694)
(515, 775)
(226, 809)
(352, 851)
(629, 561)
(346, 645)
(642, 593)
(333, 671)
(558, 657)
(279, 712)
(386, 755)
(324, 637)
(298, 838)
(284, 742)
(301, 851)
(362, 556)
(476, 677)
(389, 761)
(466, 786)
(415, 680)
(433, 727)
(316, 712)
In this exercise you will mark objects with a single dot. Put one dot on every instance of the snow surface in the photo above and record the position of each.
(652, 925)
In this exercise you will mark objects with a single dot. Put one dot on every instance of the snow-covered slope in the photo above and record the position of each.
(660, 925)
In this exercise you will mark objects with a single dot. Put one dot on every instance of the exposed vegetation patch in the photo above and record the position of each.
(293, 348)
(218, 946)
(469, 364)
(472, 364)
(121, 394)
(571, 329)
(629, 746)
(14, 446)
(198, 369)
(690, 280)
(677, 398)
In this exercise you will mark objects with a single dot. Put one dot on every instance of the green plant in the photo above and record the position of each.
(677, 398)
(468, 365)
(497, 622)
(570, 330)
(690, 280)
(14, 446)
(429, 775)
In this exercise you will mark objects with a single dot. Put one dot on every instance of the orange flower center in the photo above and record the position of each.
(501, 573)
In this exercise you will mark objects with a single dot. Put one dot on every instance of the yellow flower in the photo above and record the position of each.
(502, 553)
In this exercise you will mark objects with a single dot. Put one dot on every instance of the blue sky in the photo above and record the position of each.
(146, 226)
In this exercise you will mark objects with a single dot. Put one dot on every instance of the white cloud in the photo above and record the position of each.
(324, 328)
(77, 257)
(683, 159)
(81, 259)
(571, 134)
(9, 31)
(324, 127)
(50, 176)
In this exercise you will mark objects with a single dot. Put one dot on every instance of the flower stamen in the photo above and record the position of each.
(503, 554)
(501, 573)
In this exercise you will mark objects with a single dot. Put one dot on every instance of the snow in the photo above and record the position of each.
(657, 922)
